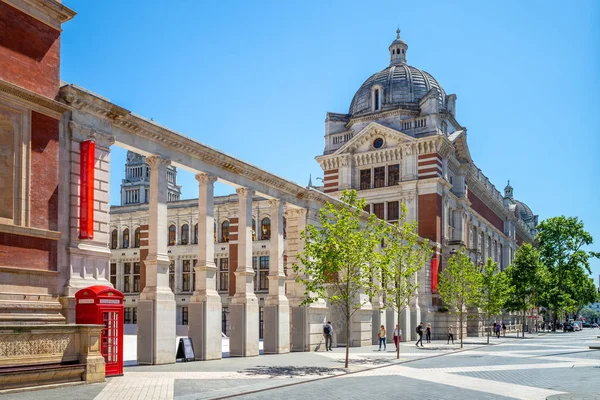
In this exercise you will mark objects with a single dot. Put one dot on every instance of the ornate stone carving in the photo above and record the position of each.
(157, 161)
(82, 133)
(27, 345)
(244, 192)
(205, 178)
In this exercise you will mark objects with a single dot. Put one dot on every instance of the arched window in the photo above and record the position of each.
(136, 239)
(196, 234)
(185, 234)
(284, 228)
(265, 226)
(253, 229)
(114, 239)
(172, 235)
(7, 169)
(215, 232)
(376, 102)
(225, 232)
(126, 238)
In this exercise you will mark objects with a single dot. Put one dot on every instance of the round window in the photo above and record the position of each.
(377, 143)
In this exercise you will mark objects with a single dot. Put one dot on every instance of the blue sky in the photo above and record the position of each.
(255, 79)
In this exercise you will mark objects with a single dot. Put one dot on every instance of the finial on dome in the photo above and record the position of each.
(508, 191)
(398, 50)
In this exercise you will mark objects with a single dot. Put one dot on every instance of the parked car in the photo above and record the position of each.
(587, 325)
(568, 327)
(577, 325)
(594, 325)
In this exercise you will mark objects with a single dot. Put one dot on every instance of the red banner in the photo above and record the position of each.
(434, 273)
(86, 189)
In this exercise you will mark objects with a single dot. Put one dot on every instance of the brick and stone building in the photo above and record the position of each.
(400, 142)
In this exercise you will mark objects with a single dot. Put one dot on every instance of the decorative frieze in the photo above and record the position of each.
(30, 345)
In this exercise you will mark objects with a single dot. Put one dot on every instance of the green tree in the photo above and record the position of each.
(459, 286)
(494, 292)
(561, 241)
(403, 255)
(525, 276)
(340, 257)
(582, 291)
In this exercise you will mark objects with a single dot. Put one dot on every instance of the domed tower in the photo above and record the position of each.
(398, 50)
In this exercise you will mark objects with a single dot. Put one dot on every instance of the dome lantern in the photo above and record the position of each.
(508, 191)
(398, 50)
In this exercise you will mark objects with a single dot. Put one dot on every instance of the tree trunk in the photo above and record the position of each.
(398, 347)
(461, 328)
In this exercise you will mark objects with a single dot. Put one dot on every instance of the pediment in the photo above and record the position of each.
(459, 141)
(362, 142)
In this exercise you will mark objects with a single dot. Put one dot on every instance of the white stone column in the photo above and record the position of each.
(276, 335)
(405, 324)
(204, 312)
(243, 311)
(156, 308)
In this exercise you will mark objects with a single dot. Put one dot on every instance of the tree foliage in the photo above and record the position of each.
(494, 292)
(402, 256)
(562, 242)
(525, 276)
(459, 286)
(340, 257)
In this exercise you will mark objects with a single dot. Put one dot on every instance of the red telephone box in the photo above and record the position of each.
(103, 305)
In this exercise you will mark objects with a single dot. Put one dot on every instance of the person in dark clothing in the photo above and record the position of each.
(428, 333)
(498, 330)
(420, 333)
(328, 332)
(504, 329)
(450, 334)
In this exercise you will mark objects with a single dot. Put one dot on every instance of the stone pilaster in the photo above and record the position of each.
(243, 338)
(205, 307)
(156, 307)
(276, 337)
(405, 324)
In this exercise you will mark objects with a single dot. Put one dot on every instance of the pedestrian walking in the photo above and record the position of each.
(498, 330)
(382, 338)
(428, 333)
(328, 332)
(397, 336)
(450, 334)
(420, 333)
(503, 329)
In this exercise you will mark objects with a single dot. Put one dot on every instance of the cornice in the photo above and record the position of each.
(33, 100)
(50, 12)
(371, 117)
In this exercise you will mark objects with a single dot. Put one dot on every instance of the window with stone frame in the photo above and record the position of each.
(253, 229)
(284, 228)
(263, 273)
(265, 229)
(172, 275)
(196, 234)
(255, 268)
(379, 177)
(367, 208)
(481, 246)
(225, 232)
(184, 315)
(365, 179)
(185, 234)
(127, 315)
(194, 263)
(393, 174)
(136, 238)
(489, 247)
(172, 235)
(134, 315)
(113, 275)
(376, 100)
(379, 210)
(224, 274)
(114, 239)
(224, 322)
(393, 210)
(186, 276)
(136, 277)
(127, 278)
(126, 238)
(216, 261)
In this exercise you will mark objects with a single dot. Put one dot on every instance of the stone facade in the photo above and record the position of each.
(401, 143)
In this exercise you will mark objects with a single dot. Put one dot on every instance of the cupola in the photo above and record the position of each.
(398, 50)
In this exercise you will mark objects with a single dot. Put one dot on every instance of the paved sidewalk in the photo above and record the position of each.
(229, 376)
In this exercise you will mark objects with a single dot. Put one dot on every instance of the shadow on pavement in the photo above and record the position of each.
(289, 371)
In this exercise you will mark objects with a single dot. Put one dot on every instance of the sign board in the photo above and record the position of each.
(86, 301)
(185, 350)
(110, 301)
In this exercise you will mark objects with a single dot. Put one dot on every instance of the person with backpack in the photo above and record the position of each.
(420, 333)
(328, 332)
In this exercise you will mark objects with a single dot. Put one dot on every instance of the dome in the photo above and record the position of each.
(401, 85)
(523, 212)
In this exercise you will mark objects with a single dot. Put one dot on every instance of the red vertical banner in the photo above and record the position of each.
(434, 273)
(86, 189)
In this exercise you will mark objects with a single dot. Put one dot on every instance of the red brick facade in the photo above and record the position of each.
(44, 167)
(29, 52)
(430, 217)
(27, 252)
(486, 212)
